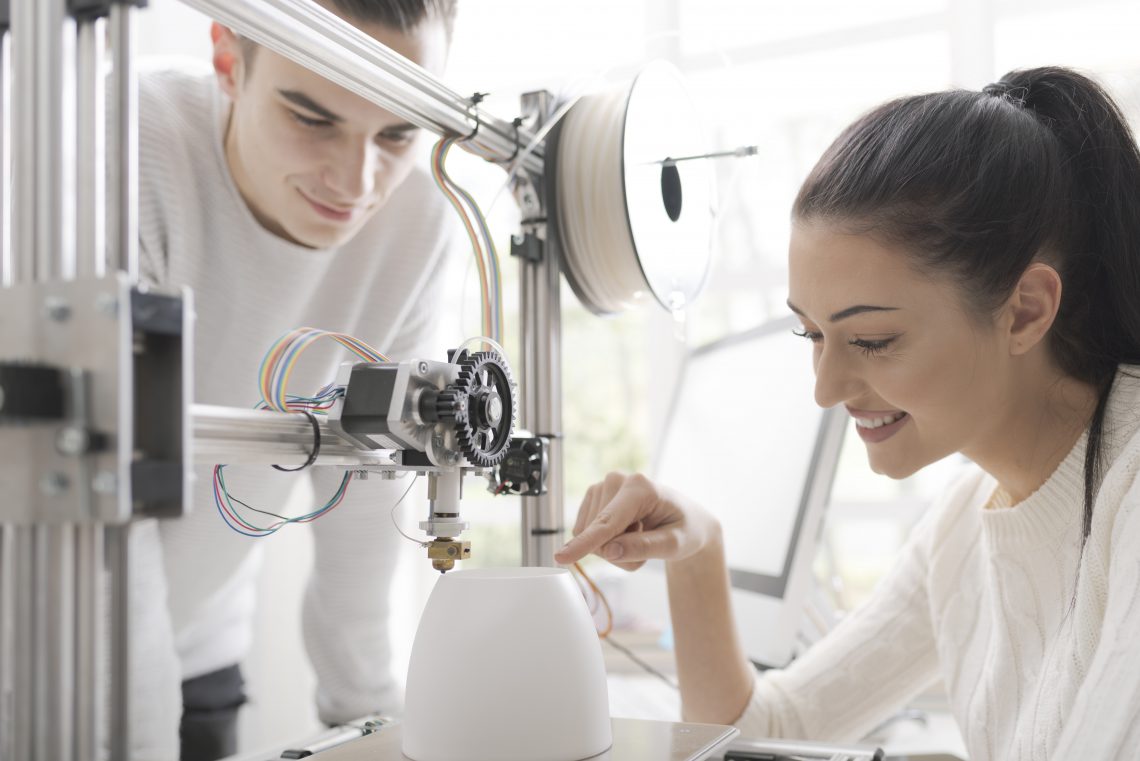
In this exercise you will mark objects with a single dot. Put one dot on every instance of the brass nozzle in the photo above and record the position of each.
(445, 551)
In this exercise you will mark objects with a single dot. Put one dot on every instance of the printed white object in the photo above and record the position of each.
(506, 666)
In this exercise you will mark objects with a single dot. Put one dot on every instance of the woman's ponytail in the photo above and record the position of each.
(1098, 326)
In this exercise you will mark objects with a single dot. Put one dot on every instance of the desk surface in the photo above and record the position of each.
(634, 740)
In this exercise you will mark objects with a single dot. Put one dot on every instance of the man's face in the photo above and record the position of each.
(312, 160)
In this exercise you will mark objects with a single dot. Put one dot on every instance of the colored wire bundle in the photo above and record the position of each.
(273, 377)
(279, 361)
(482, 243)
(227, 508)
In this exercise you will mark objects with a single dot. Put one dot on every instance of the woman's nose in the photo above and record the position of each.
(835, 380)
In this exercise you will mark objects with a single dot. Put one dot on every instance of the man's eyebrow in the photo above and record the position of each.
(843, 314)
(405, 127)
(304, 101)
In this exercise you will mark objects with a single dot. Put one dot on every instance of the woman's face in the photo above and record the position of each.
(920, 375)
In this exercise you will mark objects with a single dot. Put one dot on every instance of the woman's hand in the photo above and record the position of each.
(629, 519)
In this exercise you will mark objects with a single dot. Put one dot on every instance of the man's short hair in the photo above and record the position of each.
(401, 15)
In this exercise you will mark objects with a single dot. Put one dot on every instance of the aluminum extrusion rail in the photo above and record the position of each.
(232, 435)
(320, 41)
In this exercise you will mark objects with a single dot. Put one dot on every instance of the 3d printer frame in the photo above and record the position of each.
(97, 372)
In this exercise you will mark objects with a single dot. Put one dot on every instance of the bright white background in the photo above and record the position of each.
(783, 75)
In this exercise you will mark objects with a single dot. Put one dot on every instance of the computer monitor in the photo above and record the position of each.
(745, 439)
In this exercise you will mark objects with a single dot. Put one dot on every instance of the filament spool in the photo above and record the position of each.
(631, 223)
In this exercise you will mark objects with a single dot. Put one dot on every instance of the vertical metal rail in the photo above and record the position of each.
(53, 143)
(123, 253)
(9, 566)
(540, 323)
(44, 215)
(91, 249)
(91, 236)
(7, 266)
(53, 226)
(122, 145)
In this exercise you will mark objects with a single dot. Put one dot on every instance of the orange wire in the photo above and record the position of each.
(605, 603)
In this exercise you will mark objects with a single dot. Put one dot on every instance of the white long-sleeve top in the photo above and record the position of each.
(194, 579)
(1036, 643)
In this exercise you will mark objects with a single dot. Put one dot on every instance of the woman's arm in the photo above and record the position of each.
(715, 677)
(879, 657)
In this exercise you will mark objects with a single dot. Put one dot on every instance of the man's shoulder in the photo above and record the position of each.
(175, 96)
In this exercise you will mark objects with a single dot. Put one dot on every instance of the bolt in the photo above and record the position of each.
(57, 309)
(104, 483)
(107, 305)
(423, 368)
(54, 484)
(72, 440)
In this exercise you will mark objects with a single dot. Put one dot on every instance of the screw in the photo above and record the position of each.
(104, 483)
(57, 309)
(72, 441)
(423, 368)
(107, 305)
(54, 484)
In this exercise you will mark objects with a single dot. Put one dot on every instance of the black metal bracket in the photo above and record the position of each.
(527, 246)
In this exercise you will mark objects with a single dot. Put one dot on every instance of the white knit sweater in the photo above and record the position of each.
(1039, 661)
(194, 579)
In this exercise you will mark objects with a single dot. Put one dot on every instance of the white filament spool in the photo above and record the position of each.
(631, 223)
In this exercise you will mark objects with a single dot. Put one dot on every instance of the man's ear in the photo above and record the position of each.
(1033, 306)
(228, 58)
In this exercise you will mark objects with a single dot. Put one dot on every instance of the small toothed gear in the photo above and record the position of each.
(492, 408)
(451, 406)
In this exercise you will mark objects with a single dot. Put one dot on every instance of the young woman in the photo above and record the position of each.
(966, 266)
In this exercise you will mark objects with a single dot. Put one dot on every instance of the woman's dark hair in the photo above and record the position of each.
(1040, 166)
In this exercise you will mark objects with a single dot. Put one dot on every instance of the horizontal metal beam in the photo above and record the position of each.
(311, 36)
(233, 436)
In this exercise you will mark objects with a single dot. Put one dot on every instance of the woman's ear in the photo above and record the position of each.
(1033, 306)
(228, 60)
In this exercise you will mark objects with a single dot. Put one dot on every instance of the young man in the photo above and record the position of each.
(284, 201)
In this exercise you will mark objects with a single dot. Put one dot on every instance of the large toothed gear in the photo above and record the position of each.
(492, 408)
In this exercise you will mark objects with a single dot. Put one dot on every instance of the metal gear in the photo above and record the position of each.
(492, 408)
(451, 406)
